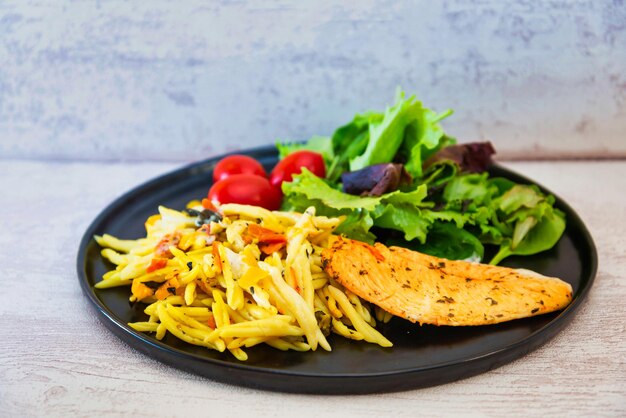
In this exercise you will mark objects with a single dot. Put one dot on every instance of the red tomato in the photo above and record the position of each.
(293, 163)
(246, 189)
(237, 164)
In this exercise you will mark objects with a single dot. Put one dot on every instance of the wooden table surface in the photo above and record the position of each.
(57, 359)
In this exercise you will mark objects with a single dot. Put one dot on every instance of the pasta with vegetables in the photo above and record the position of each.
(238, 276)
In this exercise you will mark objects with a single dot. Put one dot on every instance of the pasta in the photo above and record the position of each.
(250, 276)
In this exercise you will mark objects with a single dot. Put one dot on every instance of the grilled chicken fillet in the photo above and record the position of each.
(431, 290)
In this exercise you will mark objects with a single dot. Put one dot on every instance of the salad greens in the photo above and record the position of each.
(447, 211)
(362, 212)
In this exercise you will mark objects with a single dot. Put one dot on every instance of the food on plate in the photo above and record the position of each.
(375, 180)
(432, 290)
(233, 271)
(243, 180)
(450, 198)
(237, 164)
(237, 277)
(293, 164)
(399, 179)
(471, 157)
(246, 189)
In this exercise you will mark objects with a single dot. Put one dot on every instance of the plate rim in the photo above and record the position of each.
(146, 344)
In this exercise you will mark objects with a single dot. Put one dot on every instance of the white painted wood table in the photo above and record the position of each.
(57, 359)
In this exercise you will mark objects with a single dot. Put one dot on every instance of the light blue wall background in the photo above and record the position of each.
(186, 80)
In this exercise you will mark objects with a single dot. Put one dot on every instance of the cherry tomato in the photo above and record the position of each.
(246, 189)
(293, 163)
(237, 164)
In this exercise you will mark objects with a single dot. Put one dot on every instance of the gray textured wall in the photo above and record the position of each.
(186, 80)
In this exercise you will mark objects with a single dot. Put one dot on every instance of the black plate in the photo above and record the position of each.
(421, 356)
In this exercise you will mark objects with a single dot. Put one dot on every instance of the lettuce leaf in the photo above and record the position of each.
(404, 218)
(519, 218)
(536, 225)
(396, 210)
(446, 240)
(423, 135)
(541, 236)
(348, 142)
(407, 125)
